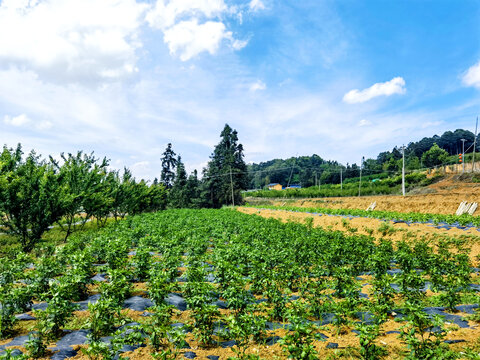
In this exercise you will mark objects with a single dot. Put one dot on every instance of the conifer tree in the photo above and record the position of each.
(226, 172)
(178, 196)
(169, 163)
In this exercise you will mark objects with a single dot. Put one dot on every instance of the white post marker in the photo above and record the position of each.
(474, 145)
(463, 154)
(403, 170)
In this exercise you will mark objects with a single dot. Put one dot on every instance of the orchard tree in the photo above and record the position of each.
(226, 172)
(31, 197)
(83, 189)
(435, 156)
(169, 163)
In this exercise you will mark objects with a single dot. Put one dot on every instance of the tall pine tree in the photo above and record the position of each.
(226, 172)
(178, 196)
(169, 163)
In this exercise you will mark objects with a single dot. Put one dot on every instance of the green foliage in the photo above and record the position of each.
(7, 315)
(142, 260)
(35, 194)
(104, 315)
(204, 317)
(367, 333)
(30, 196)
(424, 335)
(385, 215)
(435, 156)
(245, 328)
(449, 273)
(83, 189)
(118, 287)
(164, 338)
(158, 286)
(225, 172)
(169, 163)
(99, 350)
(59, 310)
(299, 342)
(36, 345)
(246, 255)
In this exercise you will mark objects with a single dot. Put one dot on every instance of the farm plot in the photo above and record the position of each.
(439, 198)
(219, 284)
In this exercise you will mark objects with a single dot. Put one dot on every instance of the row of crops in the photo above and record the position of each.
(219, 283)
(465, 220)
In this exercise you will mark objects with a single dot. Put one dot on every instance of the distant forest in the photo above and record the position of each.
(312, 170)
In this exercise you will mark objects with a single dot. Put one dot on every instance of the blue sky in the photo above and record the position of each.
(340, 78)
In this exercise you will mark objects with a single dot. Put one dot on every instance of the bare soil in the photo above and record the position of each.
(439, 198)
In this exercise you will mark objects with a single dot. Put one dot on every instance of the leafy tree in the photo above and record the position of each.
(121, 190)
(225, 170)
(435, 156)
(81, 178)
(30, 196)
(392, 164)
(169, 163)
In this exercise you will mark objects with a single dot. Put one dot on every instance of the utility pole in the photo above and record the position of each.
(474, 145)
(231, 182)
(360, 182)
(463, 155)
(403, 170)
(316, 182)
(341, 179)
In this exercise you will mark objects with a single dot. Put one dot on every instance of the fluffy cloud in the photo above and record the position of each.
(472, 76)
(189, 38)
(364, 122)
(19, 120)
(191, 27)
(166, 13)
(23, 120)
(92, 42)
(256, 5)
(394, 86)
(69, 40)
(259, 85)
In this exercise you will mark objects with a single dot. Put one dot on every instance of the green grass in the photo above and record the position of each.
(10, 245)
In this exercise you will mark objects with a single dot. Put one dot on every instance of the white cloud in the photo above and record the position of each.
(472, 76)
(141, 166)
(18, 121)
(394, 86)
(44, 125)
(189, 38)
(166, 13)
(23, 120)
(256, 5)
(69, 40)
(191, 27)
(259, 85)
(364, 122)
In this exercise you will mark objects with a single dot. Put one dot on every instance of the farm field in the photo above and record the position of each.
(439, 198)
(376, 228)
(221, 283)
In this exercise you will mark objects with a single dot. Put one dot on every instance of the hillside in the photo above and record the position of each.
(442, 197)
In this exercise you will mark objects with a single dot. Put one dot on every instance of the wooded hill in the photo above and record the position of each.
(311, 170)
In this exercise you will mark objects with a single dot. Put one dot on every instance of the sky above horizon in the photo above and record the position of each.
(342, 79)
